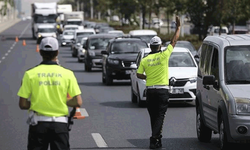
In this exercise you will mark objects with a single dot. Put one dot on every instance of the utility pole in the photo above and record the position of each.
(91, 9)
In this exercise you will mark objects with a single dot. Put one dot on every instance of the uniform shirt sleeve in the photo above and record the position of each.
(167, 52)
(73, 89)
(25, 89)
(140, 69)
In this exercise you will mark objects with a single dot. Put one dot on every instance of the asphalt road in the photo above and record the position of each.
(112, 120)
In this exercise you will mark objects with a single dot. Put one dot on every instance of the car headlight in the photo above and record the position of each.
(113, 61)
(39, 35)
(91, 53)
(242, 105)
(83, 50)
(192, 80)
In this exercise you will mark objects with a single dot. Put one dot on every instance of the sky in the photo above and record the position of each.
(26, 5)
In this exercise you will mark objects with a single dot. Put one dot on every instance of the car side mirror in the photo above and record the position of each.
(133, 66)
(208, 80)
(104, 52)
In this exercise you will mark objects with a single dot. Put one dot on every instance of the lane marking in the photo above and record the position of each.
(9, 51)
(3, 57)
(99, 140)
(24, 30)
(84, 112)
(0, 61)
(6, 54)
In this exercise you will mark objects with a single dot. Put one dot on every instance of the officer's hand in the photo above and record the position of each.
(178, 23)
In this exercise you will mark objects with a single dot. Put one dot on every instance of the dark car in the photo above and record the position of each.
(185, 44)
(118, 57)
(93, 46)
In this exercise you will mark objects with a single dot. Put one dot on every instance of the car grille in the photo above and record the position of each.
(185, 95)
(180, 82)
(127, 63)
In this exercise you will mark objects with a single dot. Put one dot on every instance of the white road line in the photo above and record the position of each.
(6, 54)
(84, 112)
(11, 47)
(0, 61)
(99, 140)
(24, 30)
(3, 57)
(9, 51)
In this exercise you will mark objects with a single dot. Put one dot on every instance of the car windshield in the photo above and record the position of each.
(179, 59)
(84, 33)
(71, 28)
(182, 44)
(68, 33)
(222, 30)
(237, 65)
(146, 38)
(45, 19)
(98, 43)
(74, 22)
(127, 47)
(46, 30)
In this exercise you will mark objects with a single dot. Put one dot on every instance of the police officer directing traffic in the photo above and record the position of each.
(155, 67)
(44, 92)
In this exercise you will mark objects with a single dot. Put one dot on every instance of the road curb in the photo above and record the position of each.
(7, 24)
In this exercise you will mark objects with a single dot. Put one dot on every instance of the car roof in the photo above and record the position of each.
(115, 31)
(101, 35)
(142, 32)
(127, 39)
(85, 30)
(176, 49)
(71, 25)
(46, 26)
(68, 30)
(229, 40)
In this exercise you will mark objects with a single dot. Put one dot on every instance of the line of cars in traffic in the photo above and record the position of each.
(119, 55)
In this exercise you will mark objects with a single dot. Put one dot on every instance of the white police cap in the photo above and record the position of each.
(155, 41)
(49, 44)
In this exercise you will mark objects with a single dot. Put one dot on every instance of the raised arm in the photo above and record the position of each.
(177, 32)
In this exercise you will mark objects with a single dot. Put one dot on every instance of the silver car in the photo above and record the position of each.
(81, 50)
(66, 37)
(223, 87)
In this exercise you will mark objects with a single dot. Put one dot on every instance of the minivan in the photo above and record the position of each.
(145, 35)
(223, 87)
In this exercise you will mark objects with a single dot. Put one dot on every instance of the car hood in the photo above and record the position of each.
(240, 90)
(124, 57)
(68, 37)
(182, 72)
(47, 34)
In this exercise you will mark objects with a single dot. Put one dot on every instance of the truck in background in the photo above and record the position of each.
(43, 13)
(74, 18)
(61, 9)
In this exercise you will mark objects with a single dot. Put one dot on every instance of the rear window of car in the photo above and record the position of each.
(181, 59)
(84, 33)
(127, 47)
(98, 43)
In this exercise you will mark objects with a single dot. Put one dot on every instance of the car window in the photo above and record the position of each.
(68, 33)
(84, 33)
(185, 45)
(208, 59)
(98, 43)
(181, 59)
(46, 30)
(215, 66)
(237, 59)
(127, 47)
(146, 38)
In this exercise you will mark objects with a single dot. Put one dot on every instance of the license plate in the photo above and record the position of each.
(178, 91)
(128, 71)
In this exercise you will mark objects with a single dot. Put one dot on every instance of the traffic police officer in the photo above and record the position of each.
(44, 93)
(155, 66)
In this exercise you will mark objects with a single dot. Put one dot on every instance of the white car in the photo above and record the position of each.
(71, 27)
(118, 33)
(182, 66)
(46, 30)
(66, 37)
(81, 50)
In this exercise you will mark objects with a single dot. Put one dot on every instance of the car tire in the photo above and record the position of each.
(87, 68)
(139, 101)
(204, 133)
(224, 144)
(108, 79)
(79, 60)
(133, 96)
(103, 78)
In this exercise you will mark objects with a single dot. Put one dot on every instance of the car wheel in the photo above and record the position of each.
(133, 96)
(103, 78)
(224, 144)
(87, 68)
(79, 60)
(204, 133)
(140, 102)
(108, 79)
